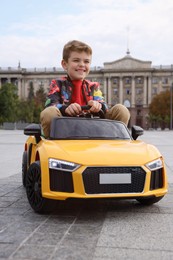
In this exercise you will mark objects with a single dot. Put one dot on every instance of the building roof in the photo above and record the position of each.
(128, 62)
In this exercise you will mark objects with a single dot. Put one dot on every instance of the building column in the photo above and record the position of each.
(160, 86)
(145, 93)
(133, 93)
(121, 91)
(19, 85)
(109, 91)
(105, 90)
(149, 90)
(23, 89)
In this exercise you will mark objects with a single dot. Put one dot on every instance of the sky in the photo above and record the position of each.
(34, 32)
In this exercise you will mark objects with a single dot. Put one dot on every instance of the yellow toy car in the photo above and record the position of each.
(90, 158)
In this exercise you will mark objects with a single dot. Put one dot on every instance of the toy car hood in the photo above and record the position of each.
(94, 152)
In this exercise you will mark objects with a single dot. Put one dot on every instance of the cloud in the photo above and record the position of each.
(38, 41)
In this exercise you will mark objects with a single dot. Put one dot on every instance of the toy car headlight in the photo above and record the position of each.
(155, 165)
(62, 165)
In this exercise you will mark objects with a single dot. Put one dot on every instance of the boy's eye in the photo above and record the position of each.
(78, 60)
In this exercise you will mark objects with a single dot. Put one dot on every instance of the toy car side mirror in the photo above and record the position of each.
(137, 131)
(33, 129)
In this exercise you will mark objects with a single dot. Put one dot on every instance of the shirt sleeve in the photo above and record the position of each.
(53, 87)
(54, 95)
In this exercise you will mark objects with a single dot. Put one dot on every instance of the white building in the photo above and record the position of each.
(128, 81)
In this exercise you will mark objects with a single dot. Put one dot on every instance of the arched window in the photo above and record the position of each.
(127, 103)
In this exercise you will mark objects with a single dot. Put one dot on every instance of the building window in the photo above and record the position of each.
(115, 91)
(15, 82)
(139, 80)
(139, 102)
(138, 112)
(127, 80)
(41, 83)
(115, 81)
(128, 91)
(155, 80)
(154, 91)
(164, 80)
(138, 91)
(127, 103)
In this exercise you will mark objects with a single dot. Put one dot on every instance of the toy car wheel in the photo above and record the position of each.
(33, 190)
(24, 168)
(149, 201)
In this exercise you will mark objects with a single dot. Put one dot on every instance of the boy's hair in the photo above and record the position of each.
(75, 46)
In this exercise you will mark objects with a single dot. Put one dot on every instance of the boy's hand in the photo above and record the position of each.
(73, 109)
(95, 106)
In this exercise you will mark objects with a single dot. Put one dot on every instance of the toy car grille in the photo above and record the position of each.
(91, 177)
(61, 181)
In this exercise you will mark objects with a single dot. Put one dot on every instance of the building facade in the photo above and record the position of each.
(128, 81)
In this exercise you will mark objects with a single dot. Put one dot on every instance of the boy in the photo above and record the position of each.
(67, 95)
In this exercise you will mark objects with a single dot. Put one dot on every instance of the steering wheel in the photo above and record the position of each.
(90, 114)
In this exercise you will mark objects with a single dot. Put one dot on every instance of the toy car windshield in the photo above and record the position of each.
(87, 128)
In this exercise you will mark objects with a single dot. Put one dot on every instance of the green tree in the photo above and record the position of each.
(159, 109)
(40, 97)
(8, 103)
(26, 107)
(39, 102)
(31, 91)
(30, 109)
(26, 111)
(12, 109)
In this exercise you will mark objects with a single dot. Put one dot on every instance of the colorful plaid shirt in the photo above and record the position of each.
(60, 93)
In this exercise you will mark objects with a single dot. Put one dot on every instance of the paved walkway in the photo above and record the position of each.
(84, 230)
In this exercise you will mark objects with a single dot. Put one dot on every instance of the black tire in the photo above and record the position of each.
(33, 190)
(149, 201)
(24, 168)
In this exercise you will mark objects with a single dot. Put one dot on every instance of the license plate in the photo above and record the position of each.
(118, 178)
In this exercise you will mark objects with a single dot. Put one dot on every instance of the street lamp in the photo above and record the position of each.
(171, 87)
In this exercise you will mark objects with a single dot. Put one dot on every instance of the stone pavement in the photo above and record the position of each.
(83, 230)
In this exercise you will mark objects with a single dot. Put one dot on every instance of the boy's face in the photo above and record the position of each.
(78, 65)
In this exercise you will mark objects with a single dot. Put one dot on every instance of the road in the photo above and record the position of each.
(163, 140)
(82, 230)
(11, 149)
